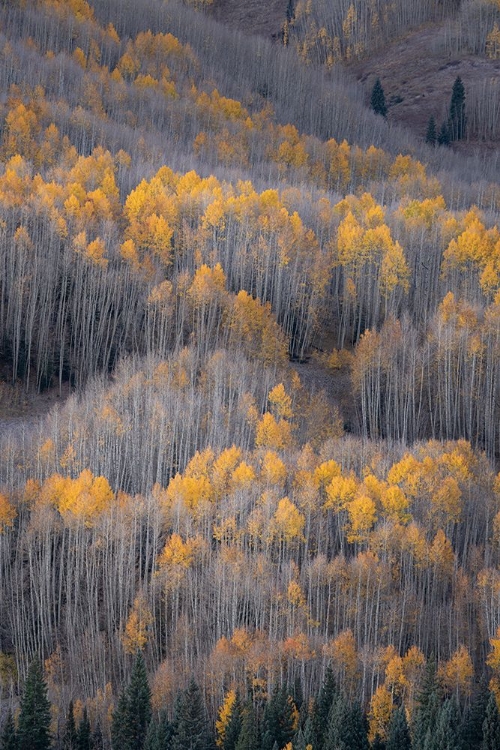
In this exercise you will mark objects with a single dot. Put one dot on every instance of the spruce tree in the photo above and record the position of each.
(119, 736)
(443, 138)
(159, 733)
(97, 741)
(278, 720)
(431, 135)
(457, 120)
(446, 736)
(427, 710)
(377, 100)
(321, 710)
(399, 732)
(34, 718)
(139, 704)
(347, 728)
(84, 739)
(249, 738)
(233, 728)
(69, 741)
(191, 726)
(471, 731)
(491, 726)
(8, 737)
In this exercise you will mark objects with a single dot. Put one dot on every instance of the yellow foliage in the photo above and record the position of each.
(273, 469)
(224, 717)
(137, 627)
(281, 403)
(362, 516)
(380, 714)
(84, 498)
(340, 492)
(273, 434)
(457, 673)
(288, 522)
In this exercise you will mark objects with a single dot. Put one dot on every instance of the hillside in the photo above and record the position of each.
(250, 376)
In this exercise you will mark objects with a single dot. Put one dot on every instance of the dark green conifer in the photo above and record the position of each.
(8, 737)
(278, 720)
(322, 706)
(471, 731)
(457, 119)
(377, 100)
(233, 728)
(34, 718)
(97, 742)
(249, 738)
(191, 726)
(399, 732)
(446, 735)
(69, 741)
(84, 736)
(443, 138)
(491, 726)
(431, 135)
(119, 735)
(427, 709)
(347, 728)
(139, 704)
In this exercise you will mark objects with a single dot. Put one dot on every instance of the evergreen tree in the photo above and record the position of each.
(321, 710)
(446, 736)
(491, 726)
(431, 135)
(378, 743)
(34, 718)
(139, 704)
(133, 712)
(69, 741)
(249, 738)
(427, 710)
(159, 733)
(347, 728)
(399, 732)
(377, 100)
(8, 737)
(191, 727)
(119, 737)
(471, 731)
(97, 741)
(443, 138)
(457, 119)
(278, 720)
(233, 728)
(84, 733)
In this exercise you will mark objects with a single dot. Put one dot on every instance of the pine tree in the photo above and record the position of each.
(322, 705)
(84, 740)
(457, 119)
(191, 727)
(8, 737)
(119, 737)
(443, 138)
(34, 718)
(278, 720)
(471, 731)
(347, 728)
(446, 736)
(69, 741)
(97, 741)
(431, 135)
(249, 738)
(491, 725)
(159, 733)
(377, 100)
(399, 733)
(133, 712)
(139, 704)
(427, 710)
(234, 726)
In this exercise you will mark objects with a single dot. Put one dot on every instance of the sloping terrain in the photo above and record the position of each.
(252, 16)
(417, 75)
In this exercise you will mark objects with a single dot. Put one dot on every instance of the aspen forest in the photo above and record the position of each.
(249, 376)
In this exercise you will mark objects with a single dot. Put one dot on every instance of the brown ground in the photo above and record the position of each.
(252, 16)
(421, 74)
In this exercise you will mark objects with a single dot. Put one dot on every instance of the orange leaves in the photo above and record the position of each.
(136, 633)
(7, 513)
